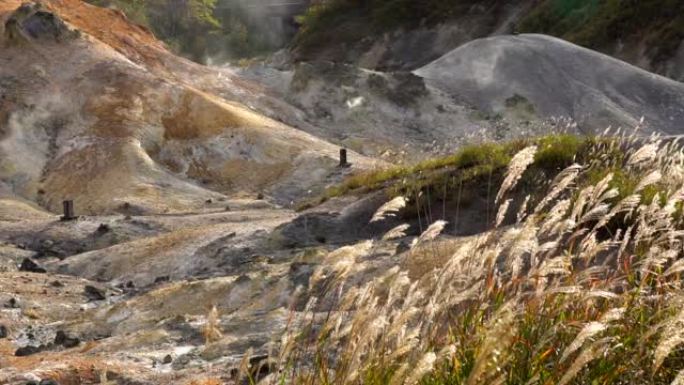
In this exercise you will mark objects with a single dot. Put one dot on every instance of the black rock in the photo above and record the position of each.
(56, 284)
(260, 196)
(164, 278)
(167, 359)
(4, 333)
(28, 265)
(64, 340)
(94, 294)
(12, 303)
(103, 228)
(48, 382)
(28, 350)
(130, 285)
(209, 201)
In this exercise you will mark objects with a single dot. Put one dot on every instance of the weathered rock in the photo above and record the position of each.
(29, 265)
(32, 22)
(28, 350)
(94, 294)
(103, 228)
(162, 279)
(12, 303)
(66, 341)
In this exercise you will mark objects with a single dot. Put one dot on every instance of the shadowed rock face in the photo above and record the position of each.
(557, 78)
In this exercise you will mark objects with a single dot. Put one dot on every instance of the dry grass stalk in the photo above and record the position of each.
(211, 330)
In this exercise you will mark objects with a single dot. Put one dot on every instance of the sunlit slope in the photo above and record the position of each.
(99, 119)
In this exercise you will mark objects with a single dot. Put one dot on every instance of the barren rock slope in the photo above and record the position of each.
(552, 77)
(103, 114)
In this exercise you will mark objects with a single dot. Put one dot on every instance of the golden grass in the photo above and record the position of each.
(585, 288)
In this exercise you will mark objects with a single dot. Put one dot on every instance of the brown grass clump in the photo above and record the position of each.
(583, 288)
(211, 330)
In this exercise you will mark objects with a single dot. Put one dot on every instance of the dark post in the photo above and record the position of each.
(68, 210)
(343, 157)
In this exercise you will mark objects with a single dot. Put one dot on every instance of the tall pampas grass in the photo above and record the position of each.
(389, 209)
(584, 288)
(520, 162)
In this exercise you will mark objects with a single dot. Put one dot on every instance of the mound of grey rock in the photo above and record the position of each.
(554, 78)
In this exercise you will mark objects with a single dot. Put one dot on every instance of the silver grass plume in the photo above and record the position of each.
(397, 232)
(501, 214)
(520, 162)
(522, 211)
(679, 380)
(588, 331)
(389, 209)
(562, 181)
(422, 367)
(587, 355)
(430, 233)
(644, 154)
(652, 178)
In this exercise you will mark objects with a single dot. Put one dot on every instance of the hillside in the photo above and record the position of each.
(551, 77)
(402, 34)
(115, 122)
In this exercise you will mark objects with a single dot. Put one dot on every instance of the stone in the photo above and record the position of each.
(30, 266)
(66, 341)
(4, 333)
(167, 359)
(48, 382)
(164, 278)
(32, 21)
(27, 351)
(12, 303)
(93, 293)
(56, 284)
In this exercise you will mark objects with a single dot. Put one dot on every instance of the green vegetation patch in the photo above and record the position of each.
(474, 169)
(471, 162)
(599, 24)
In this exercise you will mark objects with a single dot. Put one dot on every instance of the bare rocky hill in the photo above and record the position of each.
(112, 120)
(406, 35)
(550, 77)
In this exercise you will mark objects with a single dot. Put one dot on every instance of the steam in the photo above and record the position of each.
(30, 140)
(253, 27)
